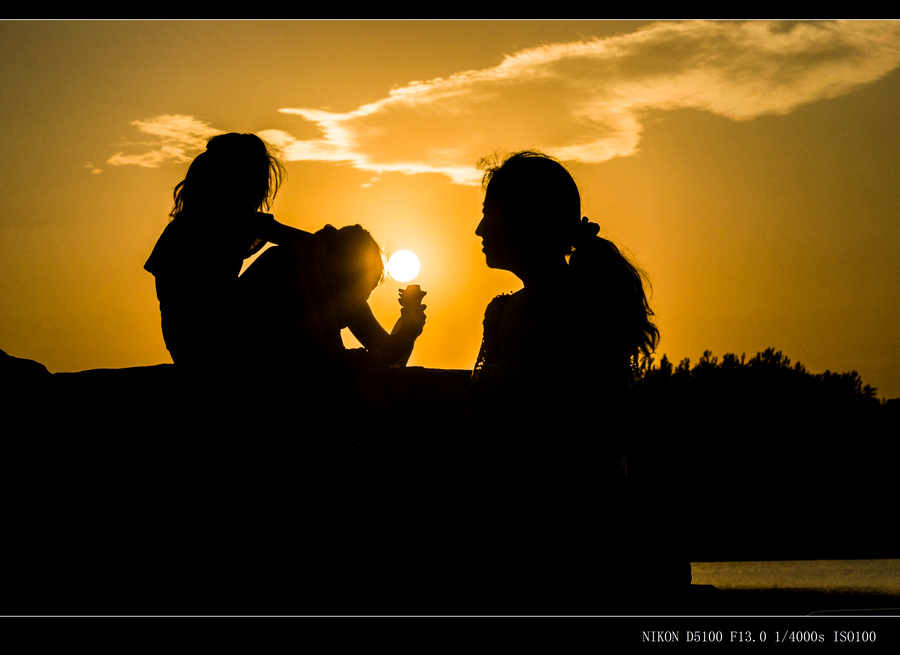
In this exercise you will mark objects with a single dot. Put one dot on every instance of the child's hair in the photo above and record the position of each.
(234, 168)
(353, 254)
(543, 195)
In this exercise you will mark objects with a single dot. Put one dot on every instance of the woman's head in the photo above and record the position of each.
(237, 171)
(532, 215)
(531, 204)
(352, 267)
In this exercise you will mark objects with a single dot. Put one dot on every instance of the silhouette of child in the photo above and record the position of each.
(287, 309)
(307, 329)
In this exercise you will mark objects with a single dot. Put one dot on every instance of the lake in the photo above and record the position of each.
(870, 576)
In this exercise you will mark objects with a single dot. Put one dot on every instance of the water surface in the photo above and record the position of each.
(870, 576)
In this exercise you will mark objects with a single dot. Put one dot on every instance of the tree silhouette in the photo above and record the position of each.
(768, 367)
(745, 438)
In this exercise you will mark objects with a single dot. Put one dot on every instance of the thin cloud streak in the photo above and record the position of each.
(179, 138)
(581, 101)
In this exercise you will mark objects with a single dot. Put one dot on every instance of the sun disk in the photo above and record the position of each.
(403, 266)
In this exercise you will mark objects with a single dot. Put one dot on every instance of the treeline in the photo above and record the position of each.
(769, 369)
(767, 454)
(757, 401)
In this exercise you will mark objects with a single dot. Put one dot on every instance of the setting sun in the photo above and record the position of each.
(403, 266)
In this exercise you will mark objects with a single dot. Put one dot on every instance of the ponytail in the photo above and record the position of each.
(617, 286)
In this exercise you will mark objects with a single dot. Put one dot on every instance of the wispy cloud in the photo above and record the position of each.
(581, 101)
(178, 138)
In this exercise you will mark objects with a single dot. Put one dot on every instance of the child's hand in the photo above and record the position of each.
(413, 311)
(412, 296)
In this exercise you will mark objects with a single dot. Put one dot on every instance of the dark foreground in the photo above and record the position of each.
(129, 493)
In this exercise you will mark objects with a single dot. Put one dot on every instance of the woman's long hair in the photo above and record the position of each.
(619, 285)
(545, 198)
(235, 171)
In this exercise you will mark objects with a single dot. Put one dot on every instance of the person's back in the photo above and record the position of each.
(215, 225)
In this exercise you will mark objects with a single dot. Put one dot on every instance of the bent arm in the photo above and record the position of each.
(312, 246)
(396, 347)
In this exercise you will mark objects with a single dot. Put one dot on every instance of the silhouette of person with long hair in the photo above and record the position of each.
(287, 309)
(574, 335)
(267, 400)
(556, 361)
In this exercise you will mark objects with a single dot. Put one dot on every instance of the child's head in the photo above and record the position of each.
(236, 172)
(353, 266)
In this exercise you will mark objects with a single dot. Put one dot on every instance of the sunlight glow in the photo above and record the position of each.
(403, 266)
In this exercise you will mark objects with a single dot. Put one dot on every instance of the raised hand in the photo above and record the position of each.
(412, 296)
(412, 313)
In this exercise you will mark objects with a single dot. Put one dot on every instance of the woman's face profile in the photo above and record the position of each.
(496, 231)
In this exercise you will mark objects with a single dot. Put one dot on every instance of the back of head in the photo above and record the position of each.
(236, 171)
(353, 256)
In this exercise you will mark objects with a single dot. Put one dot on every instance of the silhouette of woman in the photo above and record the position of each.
(556, 360)
(575, 333)
(287, 309)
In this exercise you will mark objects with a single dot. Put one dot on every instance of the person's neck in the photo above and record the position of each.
(538, 277)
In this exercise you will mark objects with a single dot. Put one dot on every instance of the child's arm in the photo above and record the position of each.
(396, 347)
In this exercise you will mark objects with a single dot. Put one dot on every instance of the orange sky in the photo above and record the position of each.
(749, 168)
